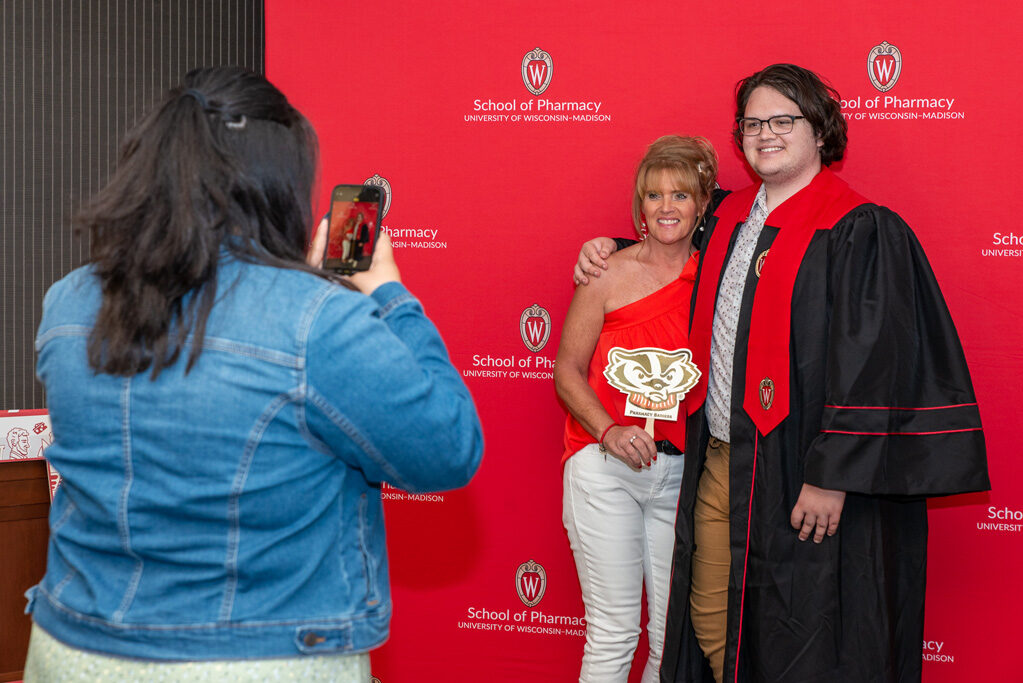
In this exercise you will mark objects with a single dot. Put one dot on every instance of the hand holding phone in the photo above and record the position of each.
(353, 228)
(382, 270)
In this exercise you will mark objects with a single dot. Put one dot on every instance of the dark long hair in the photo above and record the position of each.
(223, 161)
(818, 101)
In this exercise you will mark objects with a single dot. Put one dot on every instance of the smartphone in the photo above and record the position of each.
(353, 226)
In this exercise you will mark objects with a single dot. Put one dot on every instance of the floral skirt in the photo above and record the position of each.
(51, 661)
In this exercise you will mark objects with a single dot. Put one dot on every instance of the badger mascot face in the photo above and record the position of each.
(654, 379)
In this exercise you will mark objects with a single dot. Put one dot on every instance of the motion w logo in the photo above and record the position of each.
(884, 67)
(535, 330)
(530, 585)
(537, 72)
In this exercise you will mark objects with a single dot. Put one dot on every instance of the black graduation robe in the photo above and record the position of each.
(880, 404)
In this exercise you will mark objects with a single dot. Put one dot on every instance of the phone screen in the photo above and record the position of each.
(353, 227)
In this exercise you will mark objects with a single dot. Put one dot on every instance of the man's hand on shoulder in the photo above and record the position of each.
(593, 259)
(817, 512)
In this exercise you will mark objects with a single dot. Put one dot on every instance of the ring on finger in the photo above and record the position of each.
(633, 438)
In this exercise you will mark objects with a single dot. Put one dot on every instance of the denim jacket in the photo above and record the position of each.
(235, 511)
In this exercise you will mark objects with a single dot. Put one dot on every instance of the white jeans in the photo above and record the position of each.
(621, 526)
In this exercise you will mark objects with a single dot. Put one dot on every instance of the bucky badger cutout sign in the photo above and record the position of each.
(655, 380)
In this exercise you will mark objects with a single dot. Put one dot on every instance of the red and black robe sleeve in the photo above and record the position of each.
(900, 416)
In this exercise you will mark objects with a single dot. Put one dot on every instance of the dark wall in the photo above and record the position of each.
(76, 74)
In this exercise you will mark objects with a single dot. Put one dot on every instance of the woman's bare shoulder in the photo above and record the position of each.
(623, 261)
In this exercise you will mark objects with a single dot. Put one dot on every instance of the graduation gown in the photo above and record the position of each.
(871, 395)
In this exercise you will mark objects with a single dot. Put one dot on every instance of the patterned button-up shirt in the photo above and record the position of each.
(726, 319)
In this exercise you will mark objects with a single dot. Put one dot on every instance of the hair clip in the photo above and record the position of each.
(236, 125)
(198, 97)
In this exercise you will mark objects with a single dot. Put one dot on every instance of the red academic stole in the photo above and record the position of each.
(818, 206)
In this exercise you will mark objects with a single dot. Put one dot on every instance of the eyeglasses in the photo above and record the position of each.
(779, 125)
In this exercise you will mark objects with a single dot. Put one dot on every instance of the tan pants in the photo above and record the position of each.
(708, 599)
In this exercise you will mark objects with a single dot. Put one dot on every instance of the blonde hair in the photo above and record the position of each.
(691, 162)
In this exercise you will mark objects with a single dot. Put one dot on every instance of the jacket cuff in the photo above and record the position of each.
(390, 295)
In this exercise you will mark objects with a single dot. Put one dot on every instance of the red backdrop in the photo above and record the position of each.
(492, 193)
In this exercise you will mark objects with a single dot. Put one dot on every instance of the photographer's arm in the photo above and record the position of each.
(382, 390)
